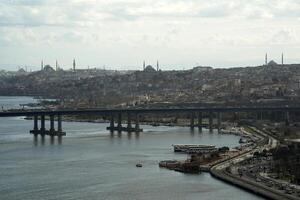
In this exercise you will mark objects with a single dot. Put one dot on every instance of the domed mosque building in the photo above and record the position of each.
(149, 68)
(48, 68)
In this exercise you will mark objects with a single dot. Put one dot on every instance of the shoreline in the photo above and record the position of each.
(218, 168)
(219, 171)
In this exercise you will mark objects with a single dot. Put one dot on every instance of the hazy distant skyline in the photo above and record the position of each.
(121, 33)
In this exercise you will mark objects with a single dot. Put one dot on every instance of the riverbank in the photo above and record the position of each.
(206, 156)
(221, 171)
(221, 166)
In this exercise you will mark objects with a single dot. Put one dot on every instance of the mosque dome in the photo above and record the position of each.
(48, 68)
(272, 63)
(149, 68)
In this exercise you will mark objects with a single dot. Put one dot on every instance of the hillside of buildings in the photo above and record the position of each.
(270, 84)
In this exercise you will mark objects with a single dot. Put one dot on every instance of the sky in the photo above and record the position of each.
(121, 34)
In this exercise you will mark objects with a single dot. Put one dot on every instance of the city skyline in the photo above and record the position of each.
(120, 34)
(71, 66)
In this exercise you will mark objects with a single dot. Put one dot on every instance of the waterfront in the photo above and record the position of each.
(13, 102)
(90, 163)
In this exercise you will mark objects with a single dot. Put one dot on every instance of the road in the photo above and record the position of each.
(249, 181)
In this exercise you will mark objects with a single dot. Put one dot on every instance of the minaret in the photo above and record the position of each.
(144, 66)
(74, 65)
(282, 58)
(266, 59)
(157, 66)
(42, 65)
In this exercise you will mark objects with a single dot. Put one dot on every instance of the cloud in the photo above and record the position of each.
(87, 12)
(181, 27)
(284, 37)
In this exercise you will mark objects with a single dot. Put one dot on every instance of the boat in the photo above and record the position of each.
(242, 140)
(193, 148)
(170, 164)
(154, 124)
(185, 167)
(232, 130)
(139, 165)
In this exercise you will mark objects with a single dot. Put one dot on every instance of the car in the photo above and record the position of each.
(270, 184)
(258, 180)
(289, 191)
(280, 187)
(277, 185)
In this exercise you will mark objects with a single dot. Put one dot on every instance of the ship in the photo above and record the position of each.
(194, 148)
(233, 130)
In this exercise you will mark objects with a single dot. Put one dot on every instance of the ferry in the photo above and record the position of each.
(193, 148)
(233, 130)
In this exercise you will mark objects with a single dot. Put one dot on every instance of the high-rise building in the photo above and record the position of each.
(157, 66)
(282, 58)
(56, 66)
(144, 66)
(266, 59)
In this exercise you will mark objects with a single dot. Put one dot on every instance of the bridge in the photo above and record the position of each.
(133, 114)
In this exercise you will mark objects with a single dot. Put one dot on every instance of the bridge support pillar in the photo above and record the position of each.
(59, 127)
(287, 118)
(119, 126)
(137, 123)
(59, 123)
(200, 120)
(129, 127)
(210, 121)
(35, 126)
(52, 129)
(43, 125)
(35, 130)
(192, 120)
(112, 122)
(219, 121)
(119, 121)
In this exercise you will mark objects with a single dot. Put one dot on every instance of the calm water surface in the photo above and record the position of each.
(91, 163)
(14, 102)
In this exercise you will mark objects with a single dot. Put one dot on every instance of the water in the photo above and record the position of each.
(13, 102)
(91, 163)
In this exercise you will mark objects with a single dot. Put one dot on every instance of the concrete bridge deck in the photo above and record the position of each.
(143, 110)
(135, 113)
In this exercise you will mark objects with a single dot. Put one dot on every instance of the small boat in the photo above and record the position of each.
(139, 165)
(242, 141)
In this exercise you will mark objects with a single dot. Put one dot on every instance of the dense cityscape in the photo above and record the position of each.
(271, 83)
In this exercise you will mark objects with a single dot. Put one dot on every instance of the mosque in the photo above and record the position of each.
(149, 68)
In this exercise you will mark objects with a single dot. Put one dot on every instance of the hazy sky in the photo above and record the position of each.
(120, 34)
